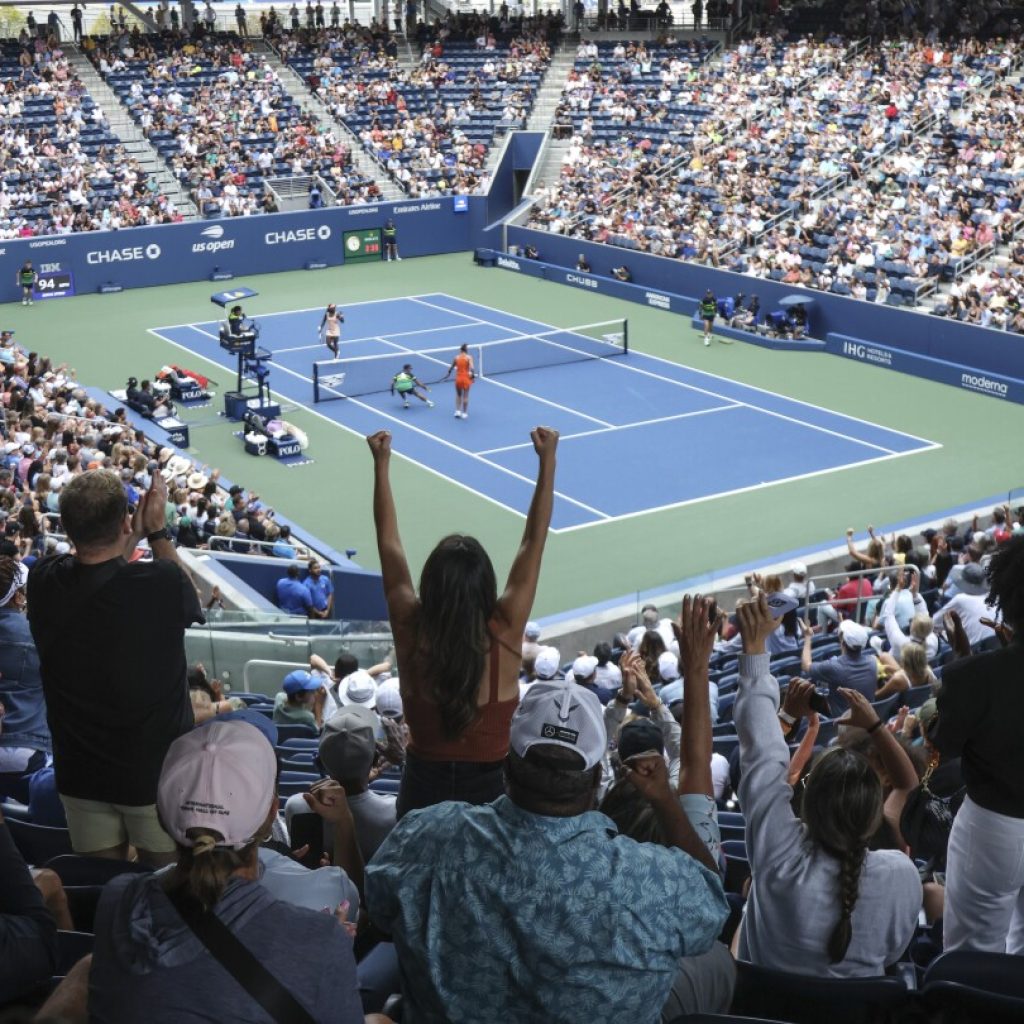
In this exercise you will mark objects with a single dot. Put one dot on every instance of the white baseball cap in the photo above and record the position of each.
(532, 630)
(389, 700)
(853, 634)
(798, 569)
(668, 666)
(220, 777)
(584, 666)
(358, 688)
(565, 716)
(547, 662)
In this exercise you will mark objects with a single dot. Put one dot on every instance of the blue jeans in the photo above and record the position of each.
(425, 783)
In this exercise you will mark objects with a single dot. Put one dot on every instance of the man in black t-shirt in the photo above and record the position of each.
(110, 636)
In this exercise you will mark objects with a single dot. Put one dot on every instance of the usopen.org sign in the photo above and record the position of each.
(214, 240)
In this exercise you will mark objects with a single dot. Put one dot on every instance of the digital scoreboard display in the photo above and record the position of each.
(362, 246)
(53, 282)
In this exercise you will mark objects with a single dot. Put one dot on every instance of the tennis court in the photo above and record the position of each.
(639, 433)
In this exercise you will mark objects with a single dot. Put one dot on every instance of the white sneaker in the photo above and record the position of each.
(399, 258)
(458, 415)
(707, 341)
(30, 302)
(405, 405)
(430, 405)
(465, 415)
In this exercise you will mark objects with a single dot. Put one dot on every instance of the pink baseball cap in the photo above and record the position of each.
(220, 777)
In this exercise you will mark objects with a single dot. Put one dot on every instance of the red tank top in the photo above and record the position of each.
(485, 739)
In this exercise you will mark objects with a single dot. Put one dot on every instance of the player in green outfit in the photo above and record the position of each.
(391, 241)
(27, 280)
(708, 312)
(404, 384)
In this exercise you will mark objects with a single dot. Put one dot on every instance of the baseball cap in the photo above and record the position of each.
(358, 688)
(389, 700)
(798, 569)
(547, 663)
(853, 634)
(219, 777)
(532, 631)
(253, 717)
(349, 743)
(583, 667)
(637, 736)
(300, 680)
(668, 666)
(565, 716)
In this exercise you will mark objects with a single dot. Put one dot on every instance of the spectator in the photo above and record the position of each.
(801, 587)
(24, 735)
(531, 646)
(583, 673)
(622, 273)
(107, 753)
(851, 669)
(283, 547)
(607, 674)
(321, 590)
(971, 605)
(459, 645)
(977, 707)
(582, 264)
(849, 601)
(28, 932)
(820, 902)
(648, 913)
(301, 700)
(217, 798)
(348, 753)
(921, 629)
(292, 595)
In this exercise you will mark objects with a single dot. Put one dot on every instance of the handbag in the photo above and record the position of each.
(927, 821)
(227, 949)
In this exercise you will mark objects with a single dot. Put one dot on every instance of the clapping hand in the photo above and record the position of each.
(798, 698)
(696, 631)
(628, 667)
(860, 714)
(649, 775)
(756, 624)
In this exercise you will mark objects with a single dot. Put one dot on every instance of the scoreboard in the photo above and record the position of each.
(53, 282)
(362, 246)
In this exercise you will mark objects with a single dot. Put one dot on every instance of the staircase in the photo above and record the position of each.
(309, 101)
(121, 124)
(550, 91)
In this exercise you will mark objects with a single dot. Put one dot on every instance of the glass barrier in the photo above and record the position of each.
(231, 640)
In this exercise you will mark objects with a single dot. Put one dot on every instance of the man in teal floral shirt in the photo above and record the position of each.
(532, 908)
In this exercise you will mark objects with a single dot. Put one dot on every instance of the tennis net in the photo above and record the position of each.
(367, 375)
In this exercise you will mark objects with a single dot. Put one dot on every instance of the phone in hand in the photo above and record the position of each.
(308, 830)
(819, 702)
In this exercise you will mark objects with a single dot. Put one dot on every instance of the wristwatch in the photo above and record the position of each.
(163, 534)
(620, 698)
(787, 717)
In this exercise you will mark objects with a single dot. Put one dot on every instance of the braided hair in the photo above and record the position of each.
(841, 810)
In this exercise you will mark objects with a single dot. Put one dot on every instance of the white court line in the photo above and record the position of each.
(312, 309)
(619, 426)
(929, 445)
(375, 337)
(508, 387)
(418, 430)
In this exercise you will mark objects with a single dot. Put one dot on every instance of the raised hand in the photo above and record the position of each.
(798, 698)
(756, 624)
(860, 713)
(380, 444)
(545, 441)
(649, 775)
(696, 630)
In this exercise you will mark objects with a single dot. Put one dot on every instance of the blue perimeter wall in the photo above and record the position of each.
(176, 253)
(978, 359)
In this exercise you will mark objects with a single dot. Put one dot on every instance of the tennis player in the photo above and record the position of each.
(405, 383)
(465, 374)
(330, 328)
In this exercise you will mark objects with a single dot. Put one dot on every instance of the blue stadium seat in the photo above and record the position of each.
(76, 869)
(37, 843)
(967, 987)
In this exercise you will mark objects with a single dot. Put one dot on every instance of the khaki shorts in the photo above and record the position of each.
(98, 826)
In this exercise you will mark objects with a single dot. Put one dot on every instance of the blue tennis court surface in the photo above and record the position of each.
(639, 433)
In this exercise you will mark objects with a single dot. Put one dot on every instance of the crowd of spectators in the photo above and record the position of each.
(636, 818)
(429, 127)
(874, 171)
(61, 167)
(220, 116)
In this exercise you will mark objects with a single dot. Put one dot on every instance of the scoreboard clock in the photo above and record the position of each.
(53, 282)
(362, 246)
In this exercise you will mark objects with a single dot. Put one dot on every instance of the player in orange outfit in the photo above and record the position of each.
(465, 374)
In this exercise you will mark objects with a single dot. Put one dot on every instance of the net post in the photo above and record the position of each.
(316, 383)
(625, 335)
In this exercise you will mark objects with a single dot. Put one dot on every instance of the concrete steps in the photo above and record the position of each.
(135, 142)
